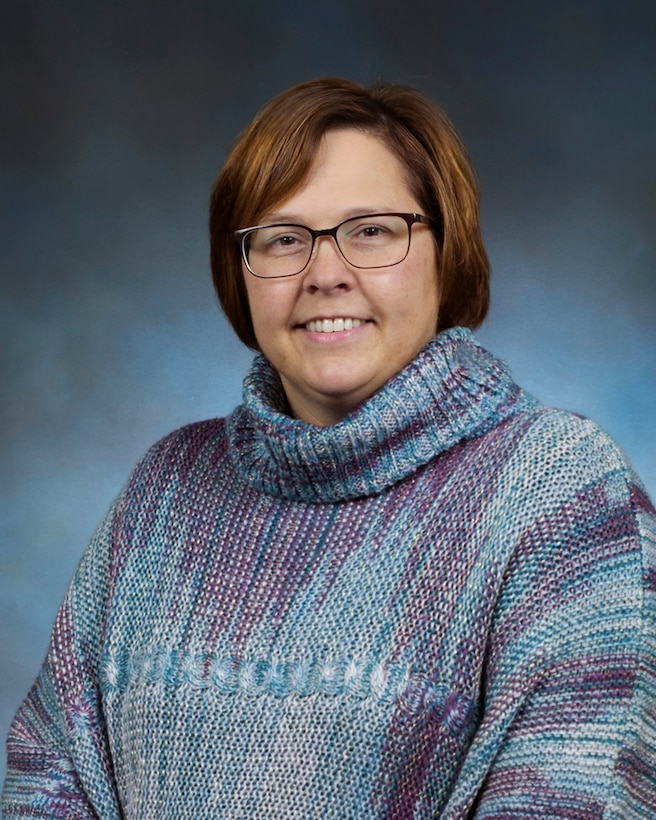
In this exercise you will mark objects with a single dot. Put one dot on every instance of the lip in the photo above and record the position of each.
(331, 318)
(334, 335)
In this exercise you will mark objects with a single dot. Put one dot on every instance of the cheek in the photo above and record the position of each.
(255, 296)
(428, 293)
(271, 303)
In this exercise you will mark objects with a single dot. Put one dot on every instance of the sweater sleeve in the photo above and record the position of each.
(568, 728)
(59, 762)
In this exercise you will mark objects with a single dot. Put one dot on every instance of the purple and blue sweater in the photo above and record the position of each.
(442, 606)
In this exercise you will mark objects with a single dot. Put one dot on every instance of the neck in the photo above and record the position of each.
(322, 413)
(452, 391)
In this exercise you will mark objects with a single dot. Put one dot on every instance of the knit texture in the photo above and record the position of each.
(442, 606)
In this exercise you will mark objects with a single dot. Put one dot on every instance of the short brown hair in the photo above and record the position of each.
(272, 157)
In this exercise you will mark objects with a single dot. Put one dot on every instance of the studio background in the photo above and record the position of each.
(115, 121)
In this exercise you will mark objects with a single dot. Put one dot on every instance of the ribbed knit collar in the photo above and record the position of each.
(452, 390)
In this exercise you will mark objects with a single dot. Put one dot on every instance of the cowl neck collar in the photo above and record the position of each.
(453, 390)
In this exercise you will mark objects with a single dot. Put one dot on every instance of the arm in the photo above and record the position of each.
(570, 681)
(59, 761)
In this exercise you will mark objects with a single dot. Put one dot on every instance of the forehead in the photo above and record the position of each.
(353, 172)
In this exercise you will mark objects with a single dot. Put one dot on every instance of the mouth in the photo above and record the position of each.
(333, 325)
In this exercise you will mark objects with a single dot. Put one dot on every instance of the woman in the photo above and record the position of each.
(391, 584)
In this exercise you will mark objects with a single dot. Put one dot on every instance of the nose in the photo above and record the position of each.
(327, 269)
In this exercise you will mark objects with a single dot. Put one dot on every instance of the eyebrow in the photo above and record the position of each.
(294, 219)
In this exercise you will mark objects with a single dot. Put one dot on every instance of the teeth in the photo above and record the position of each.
(332, 325)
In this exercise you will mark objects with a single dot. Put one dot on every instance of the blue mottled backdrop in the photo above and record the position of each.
(115, 121)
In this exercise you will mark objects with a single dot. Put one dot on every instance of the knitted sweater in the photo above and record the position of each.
(442, 606)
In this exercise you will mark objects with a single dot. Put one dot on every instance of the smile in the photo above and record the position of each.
(332, 325)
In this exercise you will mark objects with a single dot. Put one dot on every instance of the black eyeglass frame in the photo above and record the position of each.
(242, 234)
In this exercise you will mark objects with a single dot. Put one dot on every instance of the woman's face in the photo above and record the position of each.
(327, 375)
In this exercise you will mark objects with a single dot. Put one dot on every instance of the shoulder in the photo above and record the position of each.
(576, 522)
(173, 479)
(567, 482)
(568, 444)
(540, 451)
(186, 443)
(579, 508)
(176, 457)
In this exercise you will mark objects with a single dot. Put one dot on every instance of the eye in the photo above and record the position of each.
(284, 241)
(377, 230)
(371, 231)
(364, 231)
(280, 240)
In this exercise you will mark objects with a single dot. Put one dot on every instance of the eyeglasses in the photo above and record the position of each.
(369, 241)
